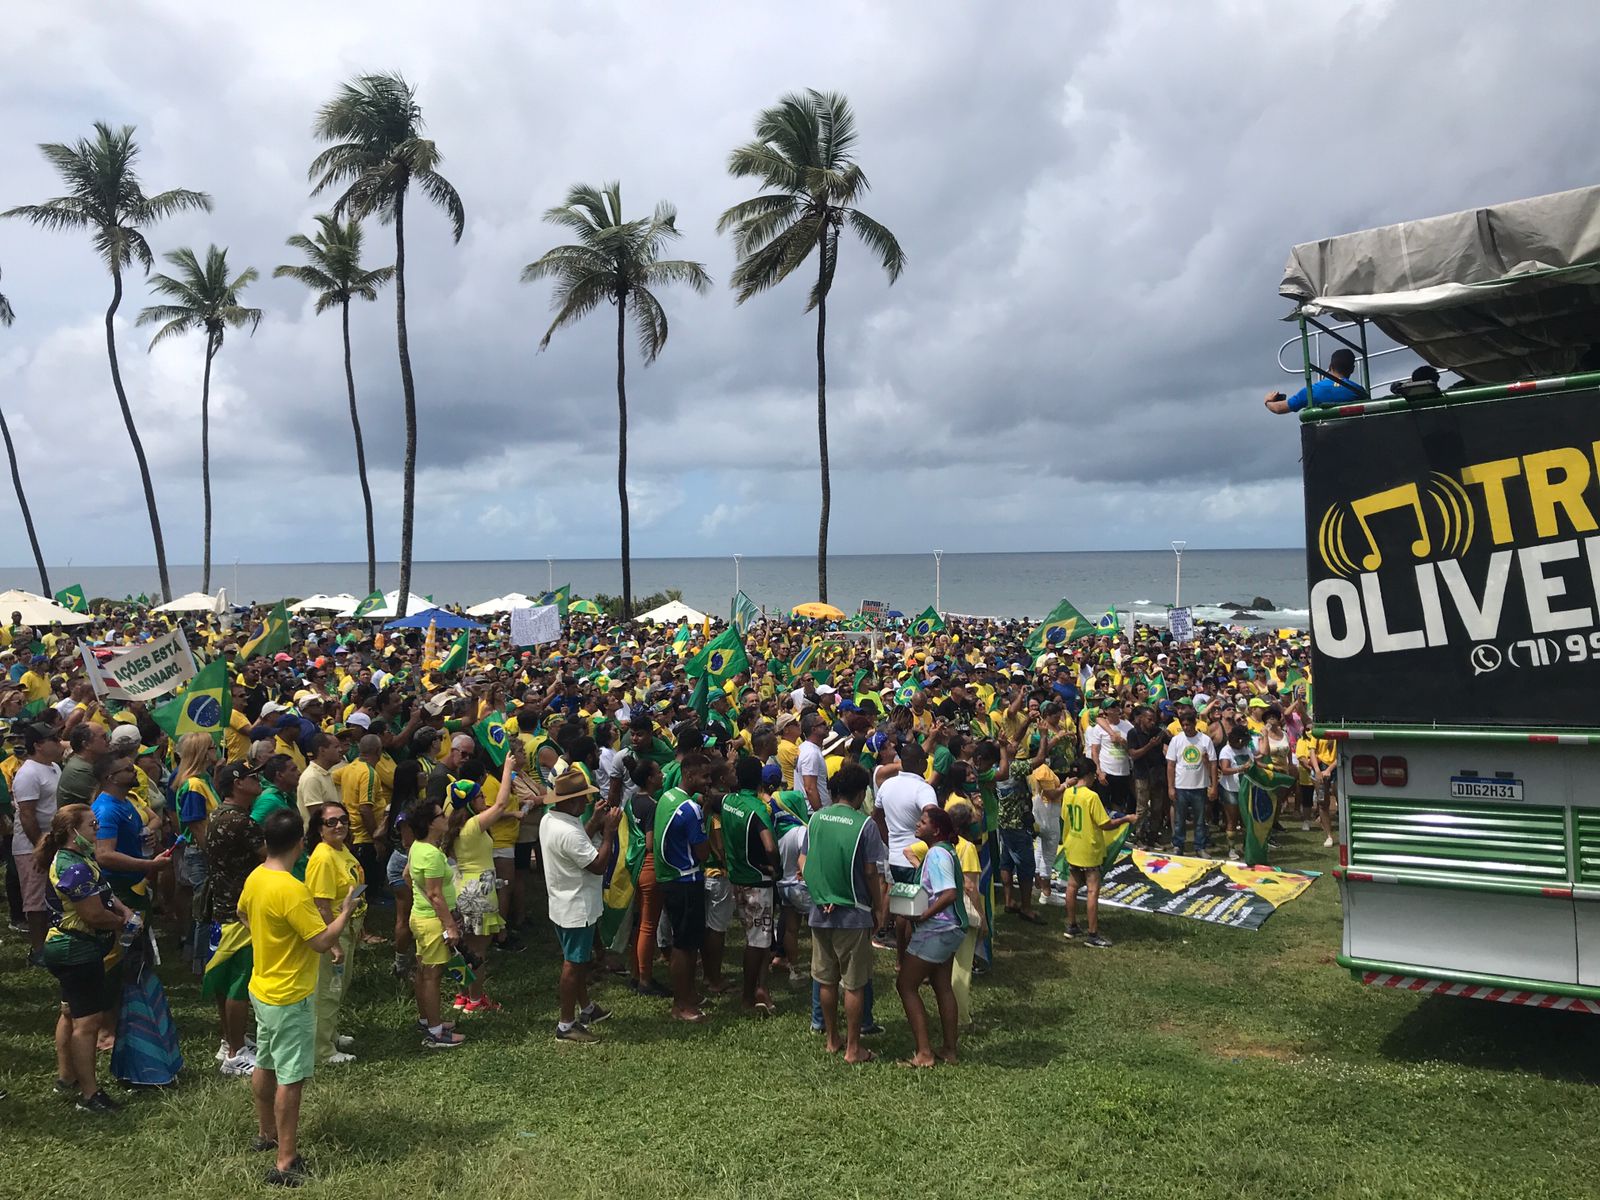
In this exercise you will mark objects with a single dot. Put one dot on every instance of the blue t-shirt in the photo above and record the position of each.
(939, 875)
(1068, 695)
(120, 821)
(1327, 392)
(685, 831)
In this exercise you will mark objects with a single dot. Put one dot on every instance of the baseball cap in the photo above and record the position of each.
(360, 719)
(771, 774)
(125, 735)
(230, 774)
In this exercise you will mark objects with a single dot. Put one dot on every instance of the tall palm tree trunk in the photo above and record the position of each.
(622, 455)
(822, 422)
(22, 501)
(408, 503)
(205, 457)
(361, 454)
(133, 436)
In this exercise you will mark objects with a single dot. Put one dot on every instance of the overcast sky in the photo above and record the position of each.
(1096, 202)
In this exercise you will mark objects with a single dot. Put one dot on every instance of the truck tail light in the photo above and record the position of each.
(1392, 771)
(1364, 770)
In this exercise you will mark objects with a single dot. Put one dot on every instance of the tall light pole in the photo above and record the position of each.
(938, 580)
(1177, 586)
(736, 559)
(550, 572)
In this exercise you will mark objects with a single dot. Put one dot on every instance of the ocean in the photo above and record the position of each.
(1005, 585)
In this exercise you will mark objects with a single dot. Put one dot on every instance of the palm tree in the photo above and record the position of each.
(7, 316)
(104, 197)
(617, 262)
(374, 122)
(803, 156)
(335, 273)
(203, 297)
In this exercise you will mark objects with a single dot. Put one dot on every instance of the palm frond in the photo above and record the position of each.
(7, 315)
(675, 270)
(443, 193)
(883, 244)
(764, 161)
(768, 265)
(649, 322)
(567, 260)
(175, 200)
(576, 303)
(64, 212)
(178, 320)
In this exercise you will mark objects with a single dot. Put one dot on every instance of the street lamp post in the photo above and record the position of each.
(736, 559)
(1177, 586)
(550, 572)
(938, 580)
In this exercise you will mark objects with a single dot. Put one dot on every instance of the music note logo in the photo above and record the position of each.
(1440, 514)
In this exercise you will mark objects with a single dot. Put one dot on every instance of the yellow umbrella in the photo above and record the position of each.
(818, 609)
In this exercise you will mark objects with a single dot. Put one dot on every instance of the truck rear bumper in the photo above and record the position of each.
(1531, 992)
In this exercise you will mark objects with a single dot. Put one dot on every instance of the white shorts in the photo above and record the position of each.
(507, 853)
(719, 903)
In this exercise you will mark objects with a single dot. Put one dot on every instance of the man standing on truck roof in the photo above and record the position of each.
(1335, 390)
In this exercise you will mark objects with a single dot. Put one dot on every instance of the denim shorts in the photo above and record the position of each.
(935, 943)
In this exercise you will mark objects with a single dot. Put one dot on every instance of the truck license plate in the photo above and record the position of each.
(1472, 787)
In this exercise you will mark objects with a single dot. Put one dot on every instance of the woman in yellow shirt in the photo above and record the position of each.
(331, 871)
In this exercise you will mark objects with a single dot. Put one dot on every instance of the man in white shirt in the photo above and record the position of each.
(898, 808)
(1191, 777)
(811, 767)
(33, 790)
(1107, 743)
(574, 873)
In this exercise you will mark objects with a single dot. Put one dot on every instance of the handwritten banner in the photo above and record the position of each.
(142, 672)
(535, 626)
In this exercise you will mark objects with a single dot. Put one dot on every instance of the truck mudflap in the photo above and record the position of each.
(1501, 993)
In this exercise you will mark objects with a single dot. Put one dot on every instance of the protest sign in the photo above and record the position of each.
(141, 672)
(535, 626)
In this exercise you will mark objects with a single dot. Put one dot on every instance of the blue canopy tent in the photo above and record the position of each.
(438, 617)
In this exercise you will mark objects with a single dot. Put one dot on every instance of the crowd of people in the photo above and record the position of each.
(869, 791)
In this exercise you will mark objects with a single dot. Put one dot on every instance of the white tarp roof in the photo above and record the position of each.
(195, 602)
(1506, 292)
(38, 610)
(500, 604)
(342, 603)
(671, 613)
(388, 612)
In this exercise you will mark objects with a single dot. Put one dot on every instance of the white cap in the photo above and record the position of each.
(272, 706)
(360, 718)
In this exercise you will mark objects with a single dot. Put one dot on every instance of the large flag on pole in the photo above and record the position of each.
(1110, 623)
(274, 635)
(1063, 625)
(927, 622)
(72, 597)
(561, 597)
(371, 604)
(457, 658)
(719, 659)
(491, 735)
(744, 614)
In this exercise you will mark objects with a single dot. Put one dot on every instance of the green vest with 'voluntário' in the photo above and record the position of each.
(832, 837)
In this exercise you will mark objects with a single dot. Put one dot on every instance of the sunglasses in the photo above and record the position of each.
(335, 820)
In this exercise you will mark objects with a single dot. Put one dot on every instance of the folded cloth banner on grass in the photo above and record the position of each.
(1199, 889)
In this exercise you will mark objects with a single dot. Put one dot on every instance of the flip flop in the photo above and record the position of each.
(913, 1066)
(870, 1057)
(1030, 918)
(698, 1019)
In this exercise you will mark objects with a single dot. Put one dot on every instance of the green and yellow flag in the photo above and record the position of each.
(719, 659)
(457, 658)
(73, 598)
(561, 597)
(927, 622)
(680, 638)
(1063, 625)
(744, 614)
(274, 635)
(700, 699)
(1259, 788)
(1110, 623)
(371, 604)
(1156, 685)
(491, 735)
(203, 705)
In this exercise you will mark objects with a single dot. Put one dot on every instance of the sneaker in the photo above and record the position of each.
(338, 1058)
(1073, 931)
(1176, 850)
(449, 1039)
(871, 1029)
(1327, 843)
(578, 1033)
(64, 1088)
(260, 1145)
(818, 1029)
(1233, 855)
(223, 1053)
(462, 1002)
(593, 1015)
(481, 1005)
(239, 1066)
(1098, 942)
(1305, 826)
(97, 1103)
(512, 944)
(291, 1176)
(344, 1042)
(656, 988)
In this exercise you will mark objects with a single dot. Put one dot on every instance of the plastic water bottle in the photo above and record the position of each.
(338, 979)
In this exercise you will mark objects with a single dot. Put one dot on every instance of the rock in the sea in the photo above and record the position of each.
(1262, 604)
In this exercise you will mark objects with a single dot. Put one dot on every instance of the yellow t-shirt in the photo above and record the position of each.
(358, 785)
(292, 749)
(1082, 814)
(236, 738)
(282, 919)
(34, 686)
(788, 755)
(330, 874)
(474, 850)
(1043, 777)
(966, 855)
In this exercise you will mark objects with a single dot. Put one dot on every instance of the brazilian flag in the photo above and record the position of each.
(1156, 685)
(926, 623)
(804, 657)
(1110, 623)
(203, 705)
(744, 613)
(904, 693)
(371, 604)
(492, 736)
(1063, 625)
(73, 598)
(274, 635)
(700, 700)
(680, 638)
(456, 659)
(1259, 788)
(561, 597)
(719, 659)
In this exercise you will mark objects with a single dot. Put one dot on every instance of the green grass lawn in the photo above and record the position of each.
(1187, 1061)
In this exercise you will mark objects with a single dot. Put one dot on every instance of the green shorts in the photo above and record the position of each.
(286, 1036)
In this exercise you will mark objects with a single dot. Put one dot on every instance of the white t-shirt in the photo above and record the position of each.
(565, 851)
(812, 762)
(35, 782)
(1114, 759)
(1190, 755)
(902, 798)
(1233, 758)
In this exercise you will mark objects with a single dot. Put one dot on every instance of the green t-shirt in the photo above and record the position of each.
(427, 861)
(744, 816)
(268, 802)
